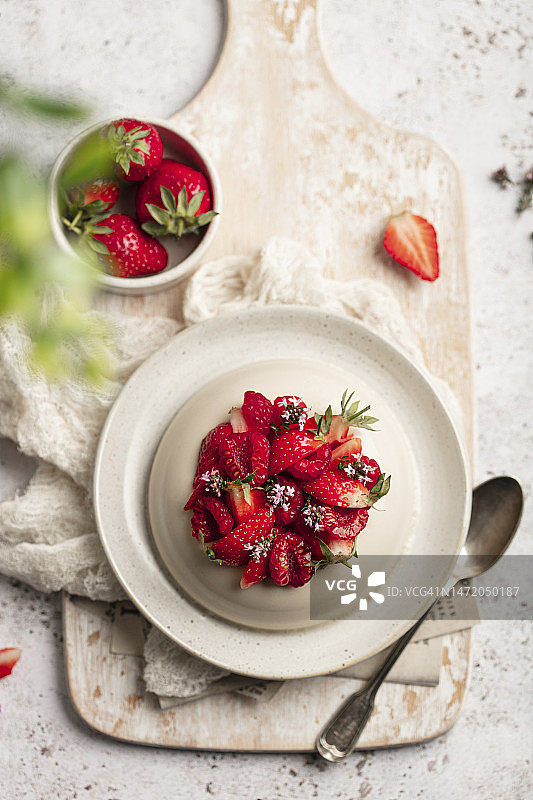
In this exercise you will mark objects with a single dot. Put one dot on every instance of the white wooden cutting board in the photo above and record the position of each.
(298, 158)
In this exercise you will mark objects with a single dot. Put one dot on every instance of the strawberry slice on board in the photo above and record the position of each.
(412, 241)
(290, 560)
(336, 489)
(8, 658)
(237, 547)
(290, 448)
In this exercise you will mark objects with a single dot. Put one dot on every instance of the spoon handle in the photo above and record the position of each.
(340, 735)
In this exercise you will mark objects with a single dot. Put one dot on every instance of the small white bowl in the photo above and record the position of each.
(183, 255)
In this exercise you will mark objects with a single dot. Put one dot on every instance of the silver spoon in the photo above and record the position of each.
(496, 511)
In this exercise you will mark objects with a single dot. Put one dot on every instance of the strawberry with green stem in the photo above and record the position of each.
(129, 251)
(136, 148)
(174, 200)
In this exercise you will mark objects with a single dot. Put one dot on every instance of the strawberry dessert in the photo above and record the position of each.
(282, 492)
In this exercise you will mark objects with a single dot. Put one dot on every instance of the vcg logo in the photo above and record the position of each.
(349, 589)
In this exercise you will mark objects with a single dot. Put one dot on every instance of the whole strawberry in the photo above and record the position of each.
(90, 200)
(136, 148)
(128, 250)
(175, 199)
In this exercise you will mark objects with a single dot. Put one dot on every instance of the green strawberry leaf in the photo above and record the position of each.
(136, 158)
(168, 199)
(380, 489)
(195, 203)
(98, 246)
(124, 162)
(207, 216)
(159, 214)
(143, 147)
(182, 202)
(154, 228)
(138, 133)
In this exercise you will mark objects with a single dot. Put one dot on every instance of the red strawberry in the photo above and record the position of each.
(242, 503)
(336, 527)
(256, 570)
(340, 527)
(136, 148)
(361, 468)
(210, 519)
(290, 412)
(128, 250)
(210, 448)
(290, 448)
(336, 489)
(245, 541)
(285, 498)
(258, 412)
(95, 197)
(412, 242)
(245, 453)
(289, 562)
(8, 658)
(313, 465)
(175, 199)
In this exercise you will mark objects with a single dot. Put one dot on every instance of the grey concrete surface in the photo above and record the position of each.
(458, 71)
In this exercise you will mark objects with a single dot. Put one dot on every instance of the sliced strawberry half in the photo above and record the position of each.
(236, 548)
(312, 465)
(290, 560)
(258, 412)
(351, 447)
(244, 502)
(412, 242)
(336, 489)
(256, 570)
(210, 519)
(8, 658)
(285, 498)
(290, 448)
(245, 453)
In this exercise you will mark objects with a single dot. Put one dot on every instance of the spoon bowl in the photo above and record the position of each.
(496, 512)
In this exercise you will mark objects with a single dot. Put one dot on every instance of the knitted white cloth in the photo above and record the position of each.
(48, 535)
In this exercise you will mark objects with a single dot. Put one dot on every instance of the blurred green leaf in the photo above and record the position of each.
(23, 100)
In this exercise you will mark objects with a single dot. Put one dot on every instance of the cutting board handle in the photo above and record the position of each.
(267, 42)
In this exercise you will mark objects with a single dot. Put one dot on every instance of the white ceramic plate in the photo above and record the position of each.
(146, 460)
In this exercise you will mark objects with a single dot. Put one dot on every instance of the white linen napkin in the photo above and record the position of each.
(48, 535)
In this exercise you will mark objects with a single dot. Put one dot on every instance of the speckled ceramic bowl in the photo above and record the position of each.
(184, 255)
(147, 458)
